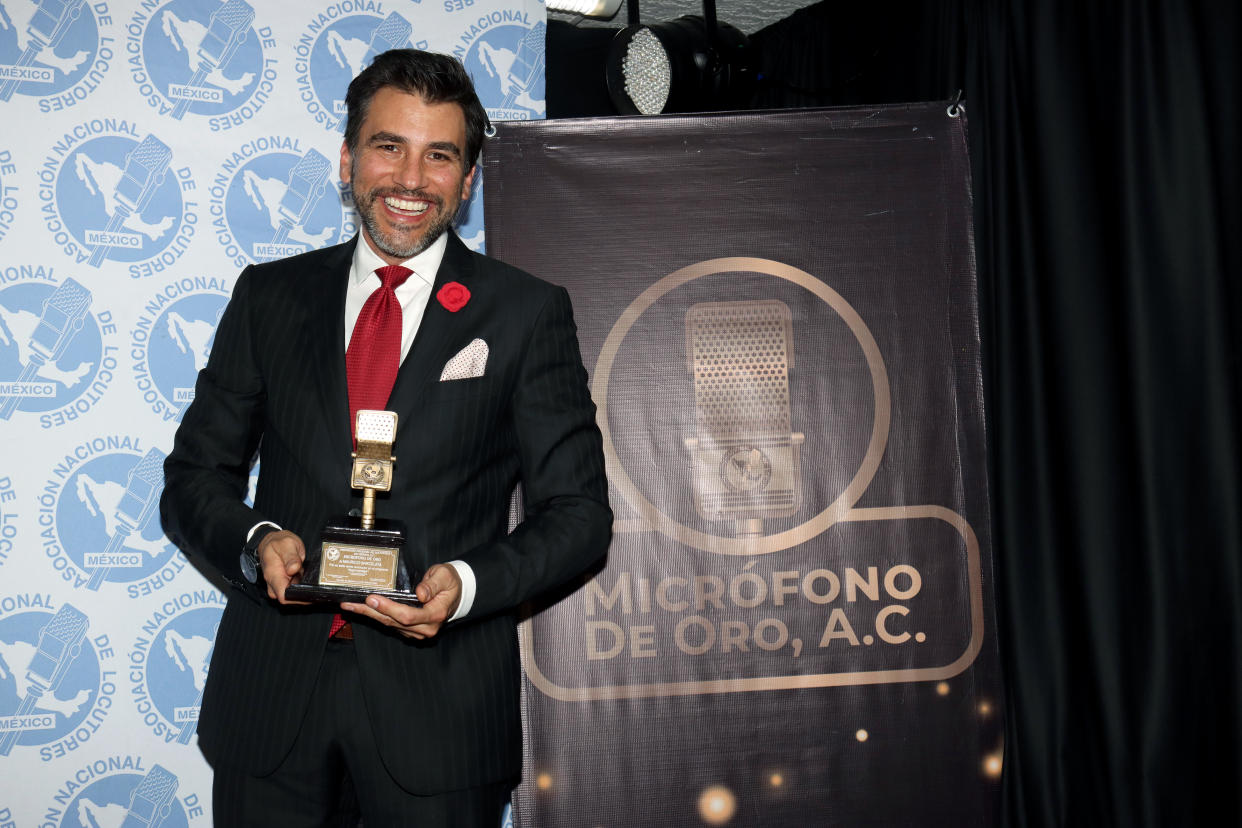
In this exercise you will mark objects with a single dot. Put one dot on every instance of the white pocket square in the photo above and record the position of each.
(469, 362)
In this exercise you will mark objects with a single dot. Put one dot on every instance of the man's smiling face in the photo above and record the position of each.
(408, 172)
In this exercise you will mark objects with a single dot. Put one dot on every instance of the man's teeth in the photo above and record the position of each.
(407, 206)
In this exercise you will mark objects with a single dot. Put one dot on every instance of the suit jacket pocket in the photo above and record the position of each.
(461, 389)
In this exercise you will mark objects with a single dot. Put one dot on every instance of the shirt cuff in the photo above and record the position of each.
(255, 528)
(468, 586)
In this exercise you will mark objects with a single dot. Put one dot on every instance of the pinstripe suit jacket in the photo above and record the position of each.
(445, 711)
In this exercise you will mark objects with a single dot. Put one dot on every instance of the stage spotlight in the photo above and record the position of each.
(586, 8)
(691, 64)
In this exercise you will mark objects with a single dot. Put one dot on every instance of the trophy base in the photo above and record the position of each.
(353, 595)
(354, 562)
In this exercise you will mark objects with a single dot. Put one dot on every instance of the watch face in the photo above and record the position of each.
(249, 567)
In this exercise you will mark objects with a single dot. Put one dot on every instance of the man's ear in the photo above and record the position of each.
(468, 182)
(347, 162)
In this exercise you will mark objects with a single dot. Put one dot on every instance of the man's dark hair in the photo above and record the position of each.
(433, 77)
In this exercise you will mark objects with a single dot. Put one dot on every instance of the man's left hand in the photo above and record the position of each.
(440, 592)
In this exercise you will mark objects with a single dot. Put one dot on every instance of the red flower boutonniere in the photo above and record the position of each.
(453, 296)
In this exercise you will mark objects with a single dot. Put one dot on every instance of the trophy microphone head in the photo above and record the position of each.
(376, 426)
(375, 431)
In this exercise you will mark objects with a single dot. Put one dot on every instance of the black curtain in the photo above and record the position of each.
(1105, 150)
(1105, 143)
(1107, 188)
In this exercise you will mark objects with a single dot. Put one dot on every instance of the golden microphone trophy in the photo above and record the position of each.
(360, 554)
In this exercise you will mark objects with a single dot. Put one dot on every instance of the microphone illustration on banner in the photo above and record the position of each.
(226, 31)
(145, 166)
(48, 25)
(61, 319)
(393, 32)
(60, 641)
(745, 459)
(152, 798)
(527, 66)
(307, 182)
(136, 506)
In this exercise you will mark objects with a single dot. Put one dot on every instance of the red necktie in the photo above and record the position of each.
(374, 352)
(373, 357)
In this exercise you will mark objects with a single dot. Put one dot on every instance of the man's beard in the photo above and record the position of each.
(400, 245)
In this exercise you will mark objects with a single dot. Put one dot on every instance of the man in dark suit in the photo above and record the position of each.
(417, 707)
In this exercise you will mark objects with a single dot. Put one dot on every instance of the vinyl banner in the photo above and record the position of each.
(794, 625)
(151, 150)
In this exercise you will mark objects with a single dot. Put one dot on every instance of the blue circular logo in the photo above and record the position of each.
(118, 200)
(169, 688)
(106, 518)
(279, 202)
(171, 346)
(201, 57)
(507, 65)
(52, 51)
(128, 799)
(331, 54)
(50, 676)
(52, 350)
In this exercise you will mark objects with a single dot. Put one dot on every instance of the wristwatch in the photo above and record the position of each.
(250, 566)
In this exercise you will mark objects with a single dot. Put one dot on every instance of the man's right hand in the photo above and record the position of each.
(280, 557)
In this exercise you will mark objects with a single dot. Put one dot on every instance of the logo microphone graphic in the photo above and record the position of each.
(307, 182)
(145, 166)
(392, 33)
(745, 457)
(505, 54)
(52, 18)
(135, 508)
(527, 67)
(151, 801)
(60, 641)
(226, 31)
(120, 790)
(61, 319)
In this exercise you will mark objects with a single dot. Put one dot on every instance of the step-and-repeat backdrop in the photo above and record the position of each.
(150, 150)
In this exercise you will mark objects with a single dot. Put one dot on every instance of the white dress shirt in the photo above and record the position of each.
(412, 295)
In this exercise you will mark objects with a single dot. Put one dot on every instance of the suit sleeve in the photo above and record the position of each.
(207, 473)
(567, 522)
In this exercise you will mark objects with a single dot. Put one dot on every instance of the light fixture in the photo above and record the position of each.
(691, 64)
(586, 8)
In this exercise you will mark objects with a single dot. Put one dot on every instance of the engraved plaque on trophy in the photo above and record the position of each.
(360, 555)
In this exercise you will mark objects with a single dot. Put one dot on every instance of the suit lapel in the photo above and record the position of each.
(325, 345)
(441, 332)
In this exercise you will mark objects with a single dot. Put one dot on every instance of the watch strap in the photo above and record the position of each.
(250, 566)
